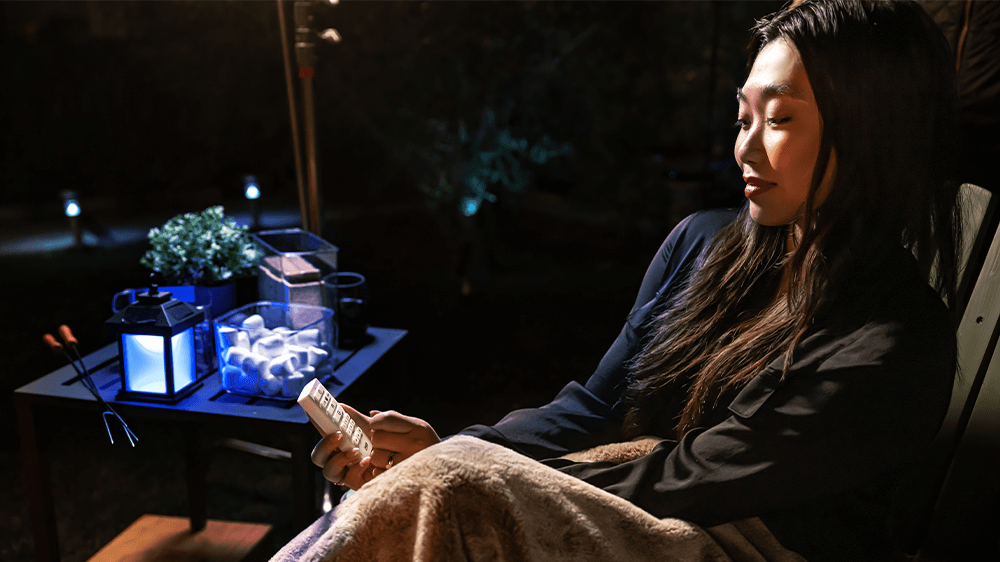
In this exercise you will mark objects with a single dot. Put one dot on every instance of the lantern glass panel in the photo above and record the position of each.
(183, 352)
(145, 365)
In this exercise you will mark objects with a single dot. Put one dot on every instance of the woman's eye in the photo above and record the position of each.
(781, 121)
(741, 124)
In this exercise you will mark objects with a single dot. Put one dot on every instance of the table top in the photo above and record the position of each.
(63, 387)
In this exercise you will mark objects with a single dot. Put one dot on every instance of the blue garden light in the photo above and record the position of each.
(470, 206)
(157, 348)
(251, 189)
(71, 208)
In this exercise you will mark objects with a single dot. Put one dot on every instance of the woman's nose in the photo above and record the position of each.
(748, 146)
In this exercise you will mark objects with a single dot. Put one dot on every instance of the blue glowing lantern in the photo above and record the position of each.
(157, 347)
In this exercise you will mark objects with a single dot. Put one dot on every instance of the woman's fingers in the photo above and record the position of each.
(358, 474)
(363, 421)
(396, 437)
(337, 464)
(405, 443)
(395, 422)
(326, 448)
(381, 457)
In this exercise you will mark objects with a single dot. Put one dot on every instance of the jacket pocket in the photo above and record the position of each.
(755, 393)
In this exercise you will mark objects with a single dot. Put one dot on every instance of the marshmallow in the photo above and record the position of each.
(230, 377)
(277, 368)
(317, 355)
(247, 384)
(243, 340)
(228, 336)
(306, 338)
(301, 354)
(255, 365)
(293, 385)
(308, 373)
(236, 319)
(270, 385)
(285, 331)
(255, 322)
(235, 355)
(254, 327)
(270, 346)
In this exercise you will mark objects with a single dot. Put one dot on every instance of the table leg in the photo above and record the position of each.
(38, 484)
(194, 466)
(303, 479)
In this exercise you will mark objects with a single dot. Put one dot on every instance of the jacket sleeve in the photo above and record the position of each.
(838, 421)
(582, 416)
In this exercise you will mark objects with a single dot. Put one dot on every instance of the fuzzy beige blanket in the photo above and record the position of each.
(469, 500)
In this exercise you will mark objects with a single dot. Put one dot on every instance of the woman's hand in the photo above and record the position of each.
(340, 467)
(396, 437)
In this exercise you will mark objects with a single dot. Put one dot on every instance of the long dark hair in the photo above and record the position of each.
(883, 80)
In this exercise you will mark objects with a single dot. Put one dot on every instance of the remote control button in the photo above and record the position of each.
(325, 401)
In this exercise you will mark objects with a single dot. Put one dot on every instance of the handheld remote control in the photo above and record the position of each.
(328, 416)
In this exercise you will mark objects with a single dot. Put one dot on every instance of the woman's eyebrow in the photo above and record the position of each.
(772, 91)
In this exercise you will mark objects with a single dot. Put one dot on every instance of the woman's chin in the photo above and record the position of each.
(762, 217)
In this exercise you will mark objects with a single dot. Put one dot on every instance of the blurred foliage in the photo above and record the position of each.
(466, 167)
(181, 99)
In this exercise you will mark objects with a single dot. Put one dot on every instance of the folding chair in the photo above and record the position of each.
(946, 506)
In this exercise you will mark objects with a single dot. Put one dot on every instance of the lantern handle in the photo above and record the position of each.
(154, 283)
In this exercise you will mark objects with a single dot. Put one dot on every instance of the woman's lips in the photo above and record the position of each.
(756, 185)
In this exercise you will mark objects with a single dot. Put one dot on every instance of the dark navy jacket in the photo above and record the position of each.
(815, 455)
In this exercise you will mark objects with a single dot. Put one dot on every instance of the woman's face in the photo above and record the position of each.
(779, 136)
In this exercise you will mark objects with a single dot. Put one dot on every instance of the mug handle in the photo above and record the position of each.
(121, 299)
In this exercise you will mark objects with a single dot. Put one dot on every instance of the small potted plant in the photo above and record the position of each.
(207, 251)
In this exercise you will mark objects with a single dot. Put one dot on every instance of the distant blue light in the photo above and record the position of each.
(71, 208)
(470, 206)
(250, 188)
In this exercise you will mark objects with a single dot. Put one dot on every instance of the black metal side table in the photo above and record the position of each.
(210, 404)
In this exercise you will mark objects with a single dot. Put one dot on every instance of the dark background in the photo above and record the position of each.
(149, 109)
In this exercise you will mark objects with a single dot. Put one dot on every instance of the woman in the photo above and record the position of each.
(789, 359)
